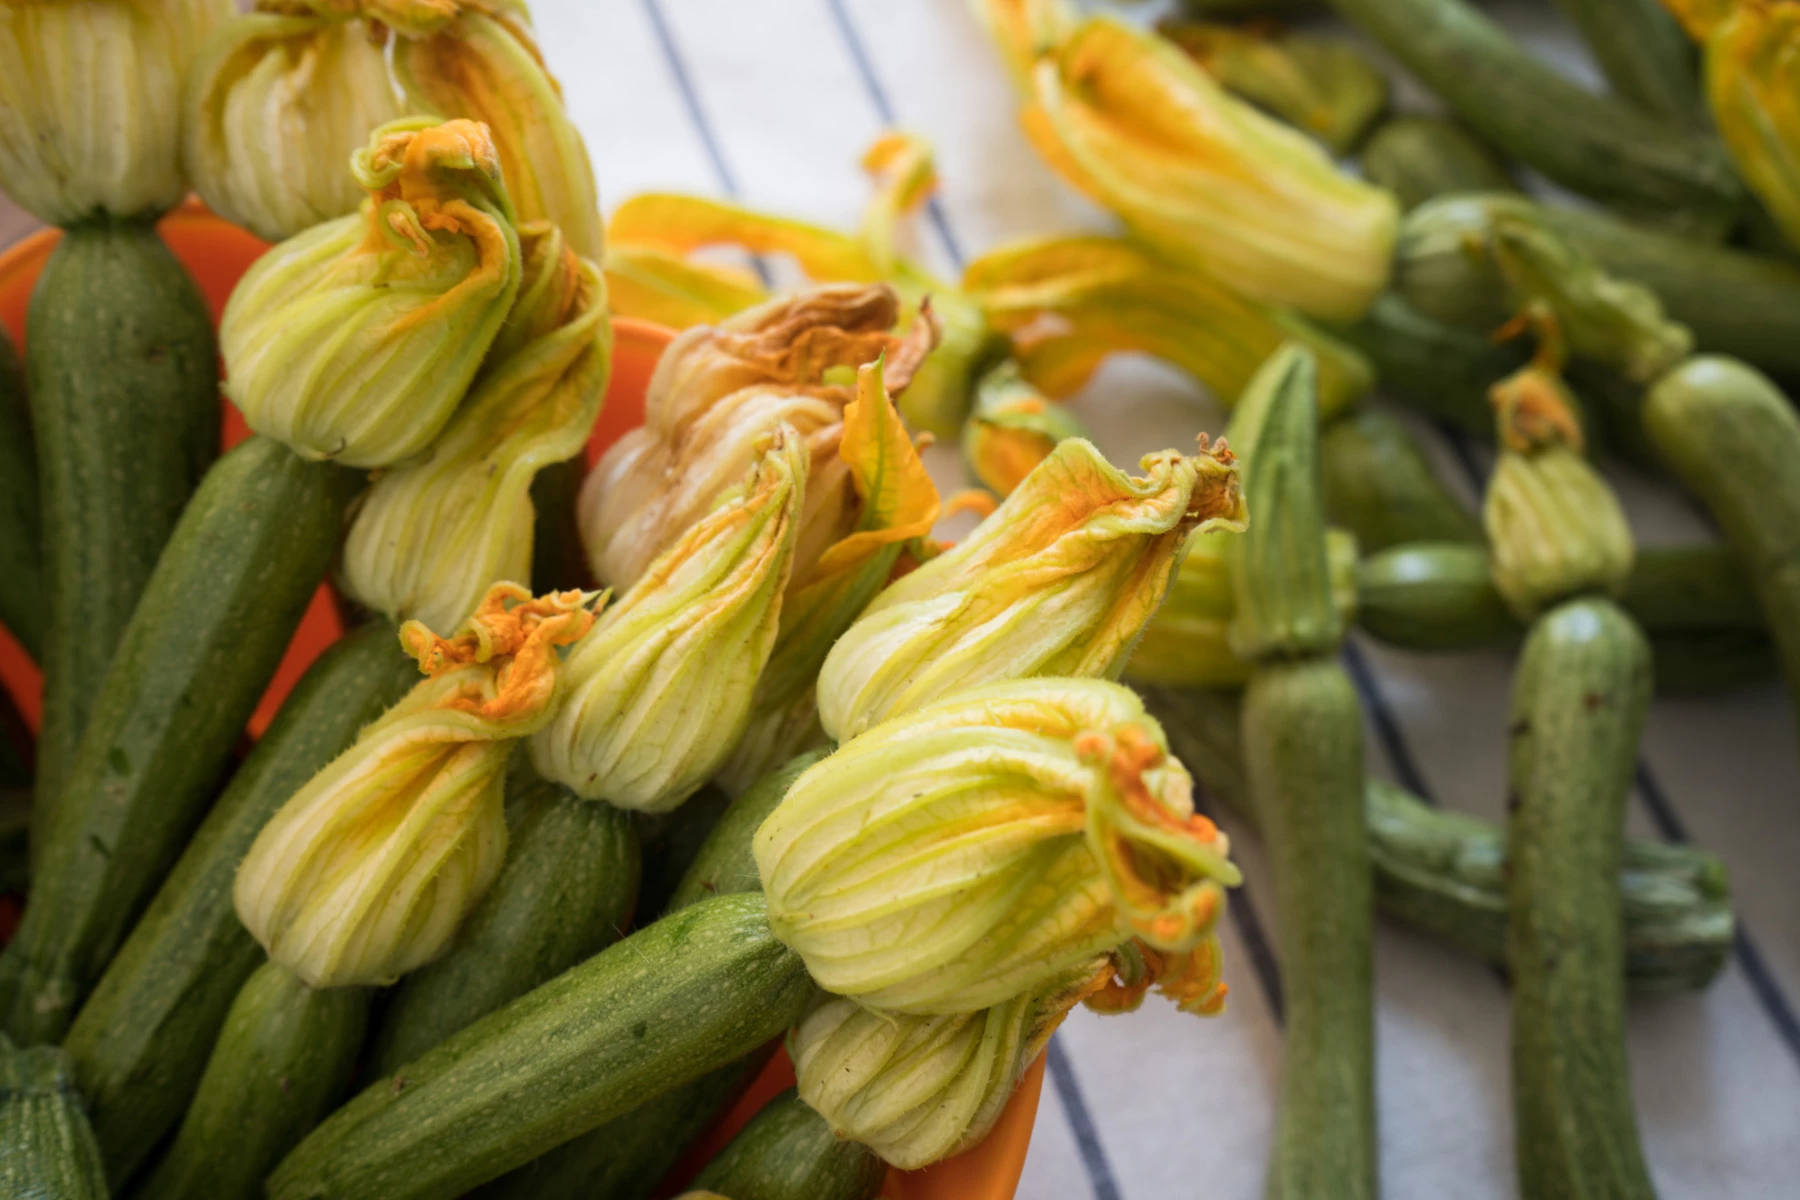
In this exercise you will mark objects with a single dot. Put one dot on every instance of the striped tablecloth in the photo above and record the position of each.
(771, 102)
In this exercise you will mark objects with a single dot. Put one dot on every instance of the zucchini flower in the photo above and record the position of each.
(660, 692)
(1207, 180)
(1554, 525)
(1187, 643)
(716, 393)
(1012, 430)
(985, 847)
(90, 103)
(366, 872)
(477, 59)
(1059, 580)
(356, 340)
(429, 538)
(275, 106)
(1322, 85)
(1753, 89)
(1069, 302)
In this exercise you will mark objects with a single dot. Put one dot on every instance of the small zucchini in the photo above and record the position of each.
(284, 1057)
(1644, 54)
(788, 1152)
(124, 386)
(1591, 144)
(23, 602)
(215, 620)
(1735, 303)
(684, 996)
(47, 1150)
(1733, 439)
(1421, 158)
(565, 894)
(1380, 486)
(1444, 873)
(1578, 708)
(140, 1043)
(1441, 370)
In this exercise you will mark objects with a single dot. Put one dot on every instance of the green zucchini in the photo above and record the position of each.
(141, 1041)
(565, 893)
(24, 605)
(1594, 145)
(214, 622)
(558, 561)
(1444, 873)
(1644, 55)
(626, 1157)
(788, 1152)
(1303, 757)
(725, 864)
(47, 1150)
(1734, 303)
(124, 387)
(1441, 370)
(676, 999)
(1578, 708)
(284, 1057)
(1733, 440)
(1380, 486)
(1420, 158)
(1700, 664)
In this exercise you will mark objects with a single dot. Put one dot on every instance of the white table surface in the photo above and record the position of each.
(771, 102)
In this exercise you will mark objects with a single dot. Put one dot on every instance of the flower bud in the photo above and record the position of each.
(918, 1089)
(485, 66)
(1060, 580)
(1012, 430)
(1188, 643)
(1128, 119)
(356, 340)
(1322, 85)
(366, 872)
(1753, 89)
(717, 392)
(430, 537)
(1554, 525)
(660, 692)
(1069, 302)
(274, 108)
(90, 103)
(970, 852)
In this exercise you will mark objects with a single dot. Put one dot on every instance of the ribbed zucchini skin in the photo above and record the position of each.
(140, 1043)
(1735, 303)
(47, 1151)
(725, 864)
(123, 378)
(215, 619)
(788, 1152)
(1420, 158)
(1734, 440)
(1645, 56)
(675, 1000)
(1590, 144)
(629, 1155)
(1302, 736)
(1578, 708)
(1444, 873)
(284, 1057)
(565, 894)
(1441, 370)
(24, 606)
(1380, 486)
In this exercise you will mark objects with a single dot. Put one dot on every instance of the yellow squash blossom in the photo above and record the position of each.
(367, 871)
(1012, 429)
(357, 340)
(980, 849)
(429, 538)
(90, 103)
(1060, 580)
